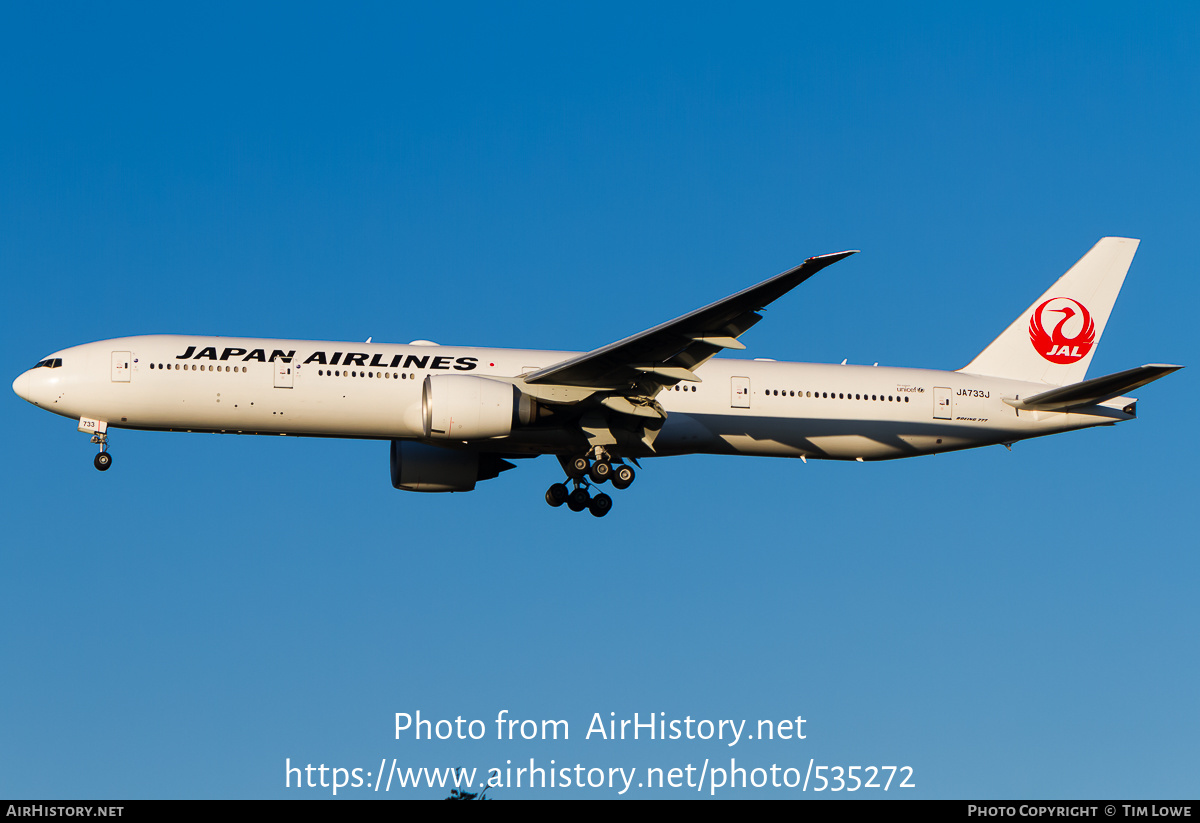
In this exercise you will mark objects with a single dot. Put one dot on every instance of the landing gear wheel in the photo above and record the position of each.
(577, 468)
(578, 500)
(622, 477)
(600, 505)
(601, 471)
(557, 494)
(103, 461)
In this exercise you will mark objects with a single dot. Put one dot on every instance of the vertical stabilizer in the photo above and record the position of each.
(1053, 341)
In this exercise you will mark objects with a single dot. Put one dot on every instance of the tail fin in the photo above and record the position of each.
(1053, 341)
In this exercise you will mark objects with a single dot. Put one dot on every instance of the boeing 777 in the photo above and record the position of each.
(455, 415)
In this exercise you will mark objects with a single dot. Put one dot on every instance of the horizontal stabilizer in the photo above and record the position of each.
(1096, 390)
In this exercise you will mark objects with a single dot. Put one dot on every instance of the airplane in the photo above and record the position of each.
(456, 416)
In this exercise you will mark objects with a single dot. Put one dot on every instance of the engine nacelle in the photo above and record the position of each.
(420, 467)
(465, 407)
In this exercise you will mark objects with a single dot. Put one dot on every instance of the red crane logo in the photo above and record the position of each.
(1056, 346)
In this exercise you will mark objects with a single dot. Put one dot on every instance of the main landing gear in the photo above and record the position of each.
(583, 473)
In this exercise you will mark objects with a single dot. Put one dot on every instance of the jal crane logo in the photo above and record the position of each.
(1056, 346)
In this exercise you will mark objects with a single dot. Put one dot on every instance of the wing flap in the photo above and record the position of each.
(673, 373)
(723, 342)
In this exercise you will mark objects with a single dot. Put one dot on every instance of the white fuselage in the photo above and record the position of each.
(374, 390)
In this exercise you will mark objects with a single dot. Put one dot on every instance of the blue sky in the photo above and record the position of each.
(1009, 625)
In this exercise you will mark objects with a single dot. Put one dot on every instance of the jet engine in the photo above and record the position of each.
(420, 467)
(466, 407)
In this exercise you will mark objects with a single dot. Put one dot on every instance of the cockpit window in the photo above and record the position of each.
(49, 363)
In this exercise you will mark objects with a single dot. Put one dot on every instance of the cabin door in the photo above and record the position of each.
(943, 403)
(283, 375)
(740, 389)
(120, 366)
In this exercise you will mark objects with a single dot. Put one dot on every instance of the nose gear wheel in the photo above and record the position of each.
(103, 460)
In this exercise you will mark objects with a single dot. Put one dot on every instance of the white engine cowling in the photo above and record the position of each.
(420, 467)
(465, 407)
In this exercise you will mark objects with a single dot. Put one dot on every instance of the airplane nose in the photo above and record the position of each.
(21, 386)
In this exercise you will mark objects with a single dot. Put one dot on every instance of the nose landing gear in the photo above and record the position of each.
(99, 432)
(584, 473)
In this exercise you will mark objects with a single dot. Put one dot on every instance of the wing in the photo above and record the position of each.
(670, 352)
